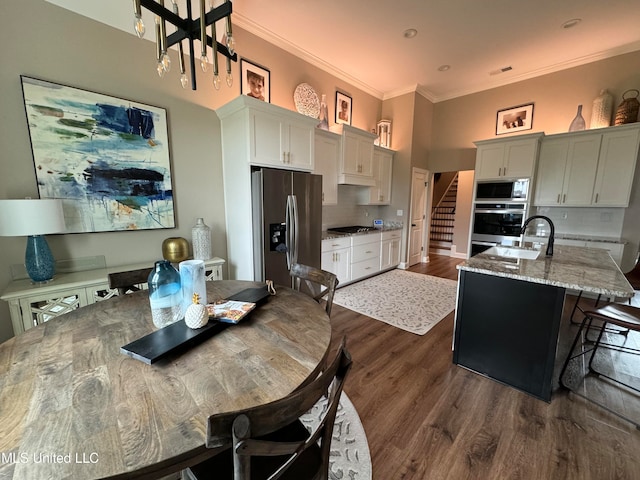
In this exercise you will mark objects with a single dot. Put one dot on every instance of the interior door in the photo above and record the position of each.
(417, 215)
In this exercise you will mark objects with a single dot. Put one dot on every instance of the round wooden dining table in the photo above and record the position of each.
(72, 406)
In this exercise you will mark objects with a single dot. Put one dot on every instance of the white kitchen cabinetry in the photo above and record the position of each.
(567, 170)
(336, 258)
(616, 166)
(513, 157)
(266, 135)
(327, 154)
(365, 255)
(380, 194)
(356, 158)
(31, 305)
(390, 249)
(589, 168)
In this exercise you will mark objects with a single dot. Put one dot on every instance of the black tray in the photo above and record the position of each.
(152, 347)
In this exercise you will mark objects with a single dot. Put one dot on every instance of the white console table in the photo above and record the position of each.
(78, 284)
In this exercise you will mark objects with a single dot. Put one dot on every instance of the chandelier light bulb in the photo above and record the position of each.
(184, 81)
(203, 63)
(166, 62)
(138, 26)
(229, 79)
(216, 81)
(160, 69)
(231, 44)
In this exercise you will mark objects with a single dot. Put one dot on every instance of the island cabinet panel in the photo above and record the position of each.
(513, 341)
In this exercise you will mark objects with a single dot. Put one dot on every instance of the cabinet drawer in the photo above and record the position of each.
(365, 252)
(334, 243)
(365, 267)
(366, 238)
(391, 234)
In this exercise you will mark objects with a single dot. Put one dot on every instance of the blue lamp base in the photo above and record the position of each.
(38, 259)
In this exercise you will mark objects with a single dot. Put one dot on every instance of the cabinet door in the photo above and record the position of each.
(551, 167)
(395, 252)
(337, 262)
(382, 165)
(266, 140)
(580, 172)
(327, 153)
(38, 309)
(365, 156)
(350, 159)
(489, 161)
(299, 146)
(616, 166)
(520, 159)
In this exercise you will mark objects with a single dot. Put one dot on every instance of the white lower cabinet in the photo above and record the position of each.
(390, 249)
(365, 255)
(336, 258)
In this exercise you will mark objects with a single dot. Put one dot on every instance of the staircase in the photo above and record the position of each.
(443, 219)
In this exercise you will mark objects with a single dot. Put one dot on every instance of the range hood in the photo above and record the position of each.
(347, 179)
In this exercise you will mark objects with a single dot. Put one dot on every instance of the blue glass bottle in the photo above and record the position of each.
(165, 294)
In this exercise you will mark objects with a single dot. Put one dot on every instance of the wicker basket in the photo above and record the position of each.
(628, 110)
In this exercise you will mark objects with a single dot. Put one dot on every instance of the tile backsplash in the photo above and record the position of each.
(606, 222)
(348, 212)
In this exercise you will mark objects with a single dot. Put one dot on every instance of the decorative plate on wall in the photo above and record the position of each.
(306, 100)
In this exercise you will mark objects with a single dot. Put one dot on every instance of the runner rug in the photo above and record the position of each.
(411, 301)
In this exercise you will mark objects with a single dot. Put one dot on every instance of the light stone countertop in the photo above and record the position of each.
(326, 235)
(576, 236)
(578, 268)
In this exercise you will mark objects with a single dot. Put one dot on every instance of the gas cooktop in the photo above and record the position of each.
(352, 229)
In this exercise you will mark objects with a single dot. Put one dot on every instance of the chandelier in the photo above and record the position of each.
(189, 29)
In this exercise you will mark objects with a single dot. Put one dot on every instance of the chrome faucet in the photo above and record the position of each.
(551, 235)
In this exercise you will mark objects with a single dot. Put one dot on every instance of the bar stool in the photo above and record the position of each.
(621, 315)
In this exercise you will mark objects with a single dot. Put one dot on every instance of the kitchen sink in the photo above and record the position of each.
(513, 252)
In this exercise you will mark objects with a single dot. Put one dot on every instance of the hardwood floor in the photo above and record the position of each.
(427, 418)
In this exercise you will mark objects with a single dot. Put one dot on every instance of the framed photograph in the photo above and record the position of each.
(343, 108)
(107, 158)
(515, 119)
(256, 81)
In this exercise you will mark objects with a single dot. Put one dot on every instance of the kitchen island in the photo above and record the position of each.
(509, 309)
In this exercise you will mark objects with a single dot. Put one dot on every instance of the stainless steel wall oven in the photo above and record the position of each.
(496, 223)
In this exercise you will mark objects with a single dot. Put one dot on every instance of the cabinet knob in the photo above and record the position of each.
(597, 197)
(558, 199)
(564, 198)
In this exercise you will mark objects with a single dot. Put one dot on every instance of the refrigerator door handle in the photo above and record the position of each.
(295, 235)
(288, 226)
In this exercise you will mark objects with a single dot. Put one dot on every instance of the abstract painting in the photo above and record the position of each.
(105, 157)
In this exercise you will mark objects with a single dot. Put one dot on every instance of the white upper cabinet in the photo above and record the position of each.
(268, 135)
(588, 168)
(616, 167)
(380, 194)
(356, 160)
(513, 157)
(327, 154)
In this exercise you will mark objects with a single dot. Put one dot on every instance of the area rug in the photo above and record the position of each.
(411, 301)
(350, 458)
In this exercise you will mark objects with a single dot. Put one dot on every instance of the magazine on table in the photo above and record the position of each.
(229, 311)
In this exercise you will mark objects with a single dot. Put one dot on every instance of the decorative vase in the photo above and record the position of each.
(578, 122)
(193, 280)
(201, 240)
(165, 294)
(602, 110)
(175, 249)
(324, 114)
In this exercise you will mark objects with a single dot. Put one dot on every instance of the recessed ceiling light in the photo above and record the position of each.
(410, 33)
(571, 23)
(444, 68)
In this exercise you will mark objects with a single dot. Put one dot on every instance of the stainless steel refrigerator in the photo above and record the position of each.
(287, 222)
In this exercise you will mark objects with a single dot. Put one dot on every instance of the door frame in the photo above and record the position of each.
(427, 213)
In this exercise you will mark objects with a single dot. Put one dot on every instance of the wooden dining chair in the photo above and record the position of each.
(128, 281)
(269, 441)
(319, 283)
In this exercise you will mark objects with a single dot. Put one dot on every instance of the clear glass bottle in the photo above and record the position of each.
(578, 122)
(165, 294)
(324, 114)
(201, 240)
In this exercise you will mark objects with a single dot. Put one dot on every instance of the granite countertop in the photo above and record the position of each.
(326, 235)
(577, 236)
(577, 268)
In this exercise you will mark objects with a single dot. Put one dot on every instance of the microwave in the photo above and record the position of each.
(503, 190)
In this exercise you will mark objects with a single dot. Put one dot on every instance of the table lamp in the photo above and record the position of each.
(33, 218)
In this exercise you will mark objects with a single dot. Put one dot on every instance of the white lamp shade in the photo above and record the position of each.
(31, 217)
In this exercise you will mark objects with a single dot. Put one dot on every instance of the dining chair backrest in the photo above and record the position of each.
(319, 283)
(128, 281)
(265, 430)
